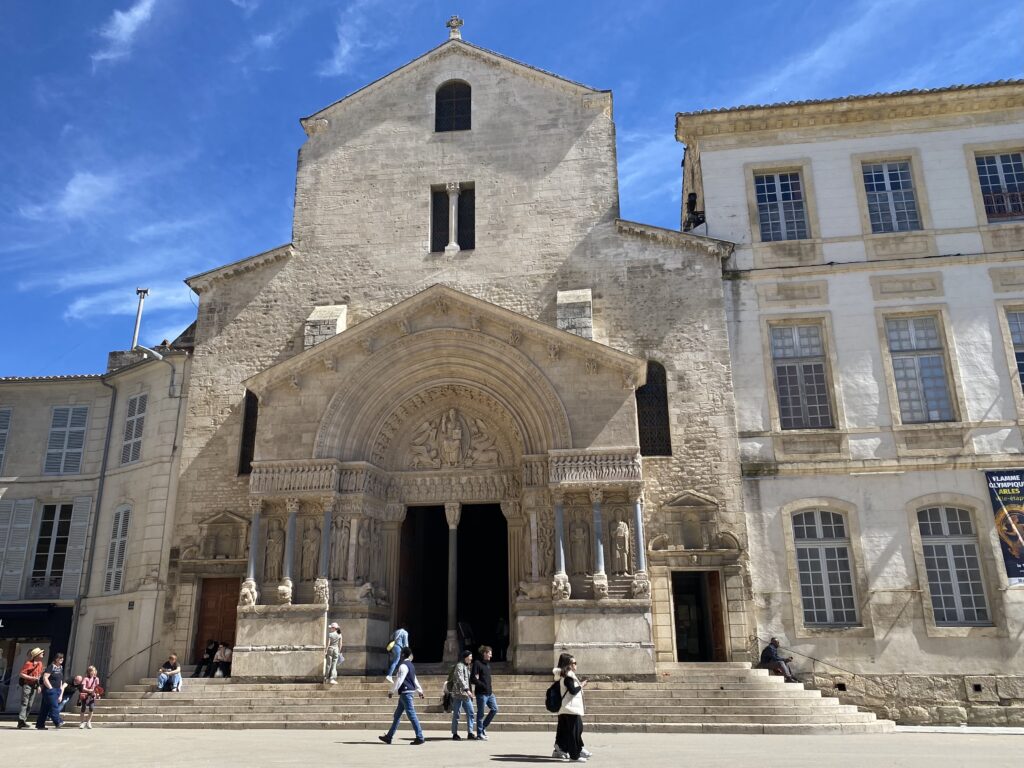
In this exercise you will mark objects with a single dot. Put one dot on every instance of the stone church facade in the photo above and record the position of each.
(424, 410)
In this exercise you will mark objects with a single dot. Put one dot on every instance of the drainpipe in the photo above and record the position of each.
(87, 565)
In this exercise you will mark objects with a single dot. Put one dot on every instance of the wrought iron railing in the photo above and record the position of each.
(1000, 206)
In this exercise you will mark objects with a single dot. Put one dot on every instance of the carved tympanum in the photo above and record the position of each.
(453, 440)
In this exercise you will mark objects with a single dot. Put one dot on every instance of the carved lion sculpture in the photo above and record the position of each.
(248, 596)
(284, 594)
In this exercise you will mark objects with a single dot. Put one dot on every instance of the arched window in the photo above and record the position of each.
(452, 107)
(652, 413)
(955, 583)
(823, 563)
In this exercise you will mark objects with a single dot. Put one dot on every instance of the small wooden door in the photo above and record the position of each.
(217, 615)
(716, 616)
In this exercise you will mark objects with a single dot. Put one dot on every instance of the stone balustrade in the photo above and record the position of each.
(602, 466)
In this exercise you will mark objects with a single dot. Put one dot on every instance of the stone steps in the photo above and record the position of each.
(681, 698)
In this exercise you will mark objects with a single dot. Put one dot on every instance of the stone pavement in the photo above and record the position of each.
(158, 748)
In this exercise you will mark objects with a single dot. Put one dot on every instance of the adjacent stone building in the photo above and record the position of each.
(875, 299)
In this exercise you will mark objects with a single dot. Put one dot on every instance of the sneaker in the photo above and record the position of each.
(334, 682)
(580, 759)
(389, 678)
(559, 754)
(22, 724)
(456, 737)
(59, 725)
(41, 728)
(385, 739)
(586, 753)
(482, 736)
(418, 741)
(471, 736)
(88, 726)
(81, 726)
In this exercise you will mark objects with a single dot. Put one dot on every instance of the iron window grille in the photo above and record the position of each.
(1002, 185)
(51, 550)
(652, 413)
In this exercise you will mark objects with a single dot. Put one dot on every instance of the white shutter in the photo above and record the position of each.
(6, 513)
(17, 546)
(76, 441)
(5, 426)
(114, 574)
(135, 419)
(75, 556)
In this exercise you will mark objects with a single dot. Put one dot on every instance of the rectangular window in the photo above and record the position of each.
(66, 441)
(919, 368)
(892, 205)
(51, 550)
(131, 448)
(950, 548)
(823, 564)
(1015, 320)
(780, 206)
(1002, 185)
(250, 417)
(116, 551)
(801, 386)
(5, 430)
(465, 223)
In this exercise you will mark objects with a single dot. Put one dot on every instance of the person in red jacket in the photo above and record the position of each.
(28, 679)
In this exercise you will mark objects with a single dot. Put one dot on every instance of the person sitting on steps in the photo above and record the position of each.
(773, 662)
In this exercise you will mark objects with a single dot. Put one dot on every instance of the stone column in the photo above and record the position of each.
(452, 512)
(453, 217)
(600, 579)
(560, 587)
(394, 515)
(641, 582)
(249, 594)
(285, 590)
(534, 554)
(321, 587)
(353, 546)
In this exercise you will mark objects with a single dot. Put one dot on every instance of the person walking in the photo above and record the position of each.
(87, 696)
(462, 696)
(332, 653)
(484, 691)
(405, 686)
(28, 679)
(399, 641)
(53, 686)
(569, 735)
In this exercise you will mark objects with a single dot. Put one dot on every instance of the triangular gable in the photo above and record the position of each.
(691, 499)
(224, 517)
(429, 300)
(447, 48)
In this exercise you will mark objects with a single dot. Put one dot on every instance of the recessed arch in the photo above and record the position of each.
(453, 106)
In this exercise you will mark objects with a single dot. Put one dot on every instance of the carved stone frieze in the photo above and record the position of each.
(608, 466)
(454, 439)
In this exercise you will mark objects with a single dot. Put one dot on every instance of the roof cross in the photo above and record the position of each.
(454, 25)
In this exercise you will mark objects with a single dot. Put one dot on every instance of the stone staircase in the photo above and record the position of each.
(683, 698)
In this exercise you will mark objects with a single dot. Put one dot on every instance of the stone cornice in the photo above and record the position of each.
(719, 248)
(957, 100)
(201, 282)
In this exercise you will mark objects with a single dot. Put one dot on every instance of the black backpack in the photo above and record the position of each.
(554, 696)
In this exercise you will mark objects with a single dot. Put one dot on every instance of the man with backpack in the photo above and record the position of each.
(405, 685)
(462, 697)
(28, 681)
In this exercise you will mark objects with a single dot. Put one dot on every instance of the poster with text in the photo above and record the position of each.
(1006, 489)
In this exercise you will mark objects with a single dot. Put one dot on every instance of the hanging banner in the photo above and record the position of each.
(1006, 489)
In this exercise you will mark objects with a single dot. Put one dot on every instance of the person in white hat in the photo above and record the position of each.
(332, 653)
(28, 680)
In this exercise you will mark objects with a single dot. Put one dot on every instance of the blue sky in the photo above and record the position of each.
(142, 141)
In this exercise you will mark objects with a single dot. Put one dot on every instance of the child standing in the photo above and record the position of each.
(87, 697)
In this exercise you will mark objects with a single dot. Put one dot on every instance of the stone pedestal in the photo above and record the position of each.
(535, 636)
(608, 637)
(279, 643)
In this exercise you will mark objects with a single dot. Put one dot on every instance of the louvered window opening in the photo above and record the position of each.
(453, 107)
(5, 430)
(919, 369)
(652, 413)
(51, 551)
(131, 448)
(1002, 185)
(250, 417)
(117, 551)
(66, 441)
(801, 385)
(955, 582)
(823, 564)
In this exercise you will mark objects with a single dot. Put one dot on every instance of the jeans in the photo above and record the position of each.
(28, 694)
(331, 664)
(405, 705)
(175, 679)
(492, 705)
(396, 656)
(459, 705)
(50, 708)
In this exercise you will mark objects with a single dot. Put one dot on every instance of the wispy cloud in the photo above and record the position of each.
(163, 295)
(248, 6)
(160, 229)
(648, 168)
(802, 74)
(120, 31)
(351, 38)
(84, 194)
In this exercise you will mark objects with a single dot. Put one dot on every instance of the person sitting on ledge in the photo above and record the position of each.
(773, 662)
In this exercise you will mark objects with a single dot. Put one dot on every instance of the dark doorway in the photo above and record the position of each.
(700, 624)
(217, 615)
(483, 577)
(423, 581)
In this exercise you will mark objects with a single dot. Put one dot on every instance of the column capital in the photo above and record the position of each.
(452, 187)
(510, 509)
(596, 494)
(635, 494)
(329, 504)
(394, 513)
(255, 505)
(452, 513)
(558, 495)
(292, 505)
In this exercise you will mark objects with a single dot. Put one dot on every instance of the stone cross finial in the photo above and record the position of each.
(454, 25)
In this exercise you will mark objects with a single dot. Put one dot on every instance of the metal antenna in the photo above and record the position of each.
(142, 293)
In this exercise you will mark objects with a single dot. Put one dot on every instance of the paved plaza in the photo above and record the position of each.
(72, 748)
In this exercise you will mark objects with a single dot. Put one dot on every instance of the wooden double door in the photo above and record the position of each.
(217, 616)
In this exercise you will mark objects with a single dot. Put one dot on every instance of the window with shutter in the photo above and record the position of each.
(51, 550)
(5, 428)
(135, 419)
(17, 549)
(116, 551)
(66, 441)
